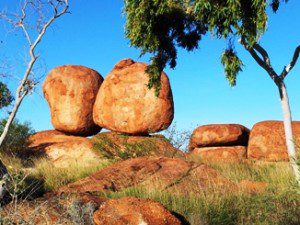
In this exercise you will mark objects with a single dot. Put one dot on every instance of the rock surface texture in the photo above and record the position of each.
(133, 211)
(125, 104)
(267, 141)
(71, 92)
(62, 150)
(158, 173)
(215, 135)
(221, 153)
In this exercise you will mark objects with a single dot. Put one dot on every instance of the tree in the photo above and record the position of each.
(159, 27)
(44, 13)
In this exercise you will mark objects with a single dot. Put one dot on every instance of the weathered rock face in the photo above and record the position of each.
(267, 141)
(62, 150)
(125, 104)
(221, 153)
(118, 146)
(157, 173)
(71, 92)
(131, 210)
(215, 135)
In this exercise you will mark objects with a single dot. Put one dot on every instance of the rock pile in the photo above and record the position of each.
(219, 142)
(125, 104)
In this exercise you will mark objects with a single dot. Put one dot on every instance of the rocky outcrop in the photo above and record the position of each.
(112, 145)
(71, 92)
(125, 104)
(267, 141)
(215, 135)
(157, 173)
(228, 153)
(62, 150)
(131, 210)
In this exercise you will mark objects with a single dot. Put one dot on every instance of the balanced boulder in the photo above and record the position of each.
(125, 104)
(71, 92)
(267, 141)
(62, 150)
(215, 135)
(130, 210)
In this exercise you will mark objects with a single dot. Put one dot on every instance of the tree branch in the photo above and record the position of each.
(289, 67)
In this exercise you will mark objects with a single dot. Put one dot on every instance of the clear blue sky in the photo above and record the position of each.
(93, 36)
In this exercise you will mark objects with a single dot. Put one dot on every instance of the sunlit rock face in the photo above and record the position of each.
(71, 92)
(267, 141)
(125, 104)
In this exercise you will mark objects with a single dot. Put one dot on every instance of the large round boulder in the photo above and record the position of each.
(215, 135)
(71, 92)
(130, 210)
(267, 141)
(125, 104)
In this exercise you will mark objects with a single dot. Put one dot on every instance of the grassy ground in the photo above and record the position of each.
(278, 204)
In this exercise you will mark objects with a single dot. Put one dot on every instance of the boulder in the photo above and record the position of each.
(71, 92)
(267, 141)
(215, 135)
(62, 150)
(154, 173)
(220, 153)
(118, 146)
(125, 104)
(130, 210)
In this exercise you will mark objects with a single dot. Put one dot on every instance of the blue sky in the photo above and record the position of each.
(93, 36)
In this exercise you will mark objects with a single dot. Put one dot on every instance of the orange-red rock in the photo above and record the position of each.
(228, 153)
(156, 173)
(267, 141)
(125, 104)
(133, 211)
(214, 135)
(62, 150)
(71, 92)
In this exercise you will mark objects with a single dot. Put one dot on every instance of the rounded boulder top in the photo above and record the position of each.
(70, 91)
(125, 104)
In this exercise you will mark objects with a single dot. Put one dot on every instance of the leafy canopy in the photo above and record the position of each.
(5, 96)
(159, 27)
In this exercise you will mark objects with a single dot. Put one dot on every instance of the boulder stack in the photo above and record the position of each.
(219, 142)
(267, 141)
(71, 92)
(125, 104)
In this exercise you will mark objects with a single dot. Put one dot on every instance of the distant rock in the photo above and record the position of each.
(125, 104)
(228, 153)
(267, 141)
(130, 210)
(154, 173)
(119, 146)
(62, 150)
(215, 135)
(71, 92)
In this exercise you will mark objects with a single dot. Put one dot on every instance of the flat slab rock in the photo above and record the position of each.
(220, 153)
(125, 104)
(160, 173)
(267, 141)
(135, 211)
(61, 149)
(215, 135)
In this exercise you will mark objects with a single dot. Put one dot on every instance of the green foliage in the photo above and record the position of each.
(159, 27)
(17, 137)
(5, 96)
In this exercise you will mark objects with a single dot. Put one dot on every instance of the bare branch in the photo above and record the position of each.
(289, 67)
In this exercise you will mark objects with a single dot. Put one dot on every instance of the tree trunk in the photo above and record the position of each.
(288, 130)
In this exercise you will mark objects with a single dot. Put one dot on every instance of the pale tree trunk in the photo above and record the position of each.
(287, 120)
